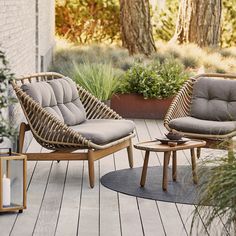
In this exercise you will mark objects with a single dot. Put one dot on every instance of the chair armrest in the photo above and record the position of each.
(95, 109)
(180, 106)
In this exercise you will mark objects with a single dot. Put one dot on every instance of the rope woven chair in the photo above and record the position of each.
(53, 134)
(182, 106)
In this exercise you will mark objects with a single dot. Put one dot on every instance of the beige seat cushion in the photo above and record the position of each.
(105, 130)
(198, 126)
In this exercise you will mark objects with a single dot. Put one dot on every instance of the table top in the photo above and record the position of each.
(156, 146)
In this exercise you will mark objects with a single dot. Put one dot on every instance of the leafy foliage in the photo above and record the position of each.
(156, 80)
(164, 20)
(5, 77)
(84, 21)
(218, 190)
(99, 79)
(228, 35)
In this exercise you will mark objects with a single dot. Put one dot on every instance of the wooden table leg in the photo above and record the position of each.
(193, 160)
(144, 171)
(165, 170)
(174, 166)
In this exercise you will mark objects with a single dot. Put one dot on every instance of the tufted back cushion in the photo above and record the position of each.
(214, 99)
(59, 97)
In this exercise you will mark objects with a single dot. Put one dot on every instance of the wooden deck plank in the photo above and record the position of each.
(151, 218)
(171, 219)
(89, 211)
(48, 215)
(70, 207)
(7, 221)
(25, 222)
(129, 212)
(177, 224)
(109, 205)
(186, 212)
(62, 202)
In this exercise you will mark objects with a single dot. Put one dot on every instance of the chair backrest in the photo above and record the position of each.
(59, 97)
(214, 99)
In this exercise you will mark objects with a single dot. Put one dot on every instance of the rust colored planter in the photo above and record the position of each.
(135, 106)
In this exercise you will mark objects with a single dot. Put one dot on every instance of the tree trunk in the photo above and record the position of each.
(136, 28)
(199, 22)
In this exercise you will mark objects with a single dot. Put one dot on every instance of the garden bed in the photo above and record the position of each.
(135, 106)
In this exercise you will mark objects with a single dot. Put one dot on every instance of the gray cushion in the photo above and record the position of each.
(214, 99)
(194, 125)
(59, 97)
(105, 130)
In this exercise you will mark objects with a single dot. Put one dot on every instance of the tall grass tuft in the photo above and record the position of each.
(218, 195)
(99, 79)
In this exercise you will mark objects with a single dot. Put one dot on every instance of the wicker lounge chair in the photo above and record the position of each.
(64, 118)
(205, 108)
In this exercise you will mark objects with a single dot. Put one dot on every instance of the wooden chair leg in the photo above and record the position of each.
(198, 153)
(130, 154)
(23, 128)
(194, 166)
(91, 168)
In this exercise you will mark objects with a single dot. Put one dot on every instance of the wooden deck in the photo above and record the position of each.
(60, 201)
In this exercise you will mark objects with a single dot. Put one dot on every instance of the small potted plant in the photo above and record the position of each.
(6, 130)
(146, 91)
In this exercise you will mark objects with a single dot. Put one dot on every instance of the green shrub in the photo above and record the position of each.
(164, 20)
(190, 55)
(156, 80)
(142, 80)
(190, 61)
(87, 21)
(99, 79)
(228, 33)
(6, 129)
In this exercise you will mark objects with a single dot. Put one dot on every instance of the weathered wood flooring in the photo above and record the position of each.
(60, 201)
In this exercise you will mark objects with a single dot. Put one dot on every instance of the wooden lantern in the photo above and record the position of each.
(12, 181)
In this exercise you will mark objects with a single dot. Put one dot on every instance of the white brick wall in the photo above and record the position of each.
(46, 32)
(27, 37)
(18, 33)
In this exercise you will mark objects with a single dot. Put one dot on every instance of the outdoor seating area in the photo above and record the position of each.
(60, 200)
(118, 118)
(69, 125)
(64, 118)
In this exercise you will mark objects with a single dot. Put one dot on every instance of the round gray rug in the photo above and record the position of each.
(127, 181)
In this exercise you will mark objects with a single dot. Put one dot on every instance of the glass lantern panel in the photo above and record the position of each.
(16, 177)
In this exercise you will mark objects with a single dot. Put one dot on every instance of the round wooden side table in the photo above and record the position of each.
(156, 146)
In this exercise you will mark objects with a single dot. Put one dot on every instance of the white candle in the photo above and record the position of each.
(6, 191)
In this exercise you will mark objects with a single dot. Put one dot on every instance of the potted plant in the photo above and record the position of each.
(217, 190)
(146, 91)
(6, 130)
(99, 79)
